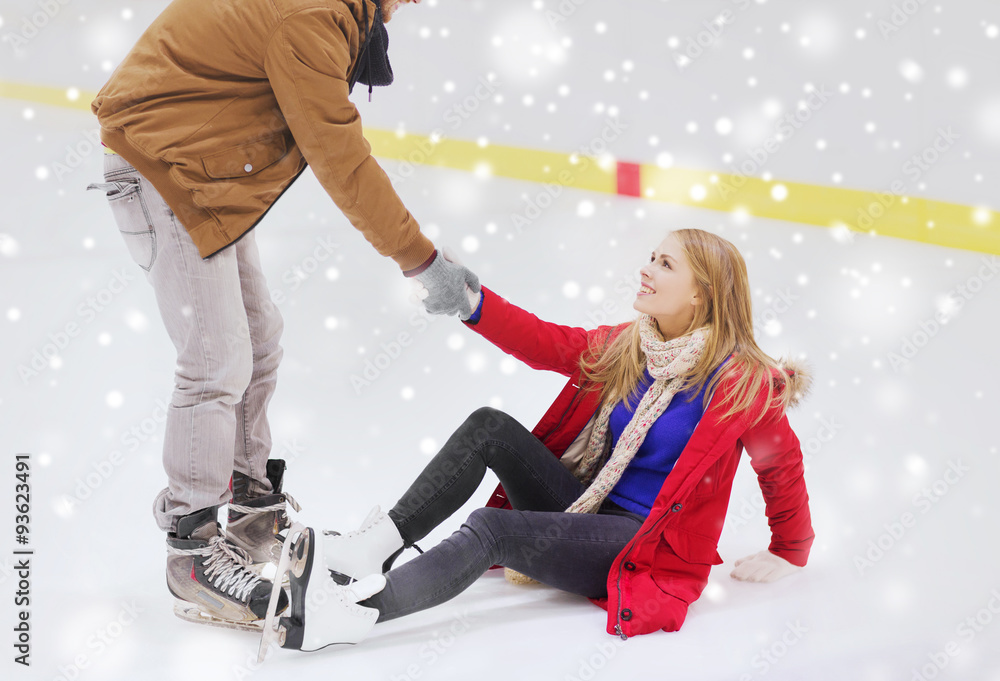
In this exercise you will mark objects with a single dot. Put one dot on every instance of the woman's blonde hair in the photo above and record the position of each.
(720, 276)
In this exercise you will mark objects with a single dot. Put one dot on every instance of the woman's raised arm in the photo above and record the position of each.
(537, 343)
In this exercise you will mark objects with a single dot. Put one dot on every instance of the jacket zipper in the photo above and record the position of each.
(618, 582)
(618, 627)
(566, 411)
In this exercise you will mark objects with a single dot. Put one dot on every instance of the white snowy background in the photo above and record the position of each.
(880, 436)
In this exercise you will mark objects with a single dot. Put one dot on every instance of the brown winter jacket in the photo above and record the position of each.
(222, 104)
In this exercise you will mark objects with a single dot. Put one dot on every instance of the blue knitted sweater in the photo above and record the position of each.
(641, 482)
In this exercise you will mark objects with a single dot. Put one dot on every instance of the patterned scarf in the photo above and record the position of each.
(668, 362)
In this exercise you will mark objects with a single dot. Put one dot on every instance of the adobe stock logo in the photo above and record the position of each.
(924, 501)
(31, 26)
(911, 345)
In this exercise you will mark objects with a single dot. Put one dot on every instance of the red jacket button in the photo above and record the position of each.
(626, 614)
(630, 566)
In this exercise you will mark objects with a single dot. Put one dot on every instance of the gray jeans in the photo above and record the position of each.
(219, 314)
(570, 551)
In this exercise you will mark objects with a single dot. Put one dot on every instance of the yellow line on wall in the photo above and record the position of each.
(875, 212)
(493, 159)
(70, 98)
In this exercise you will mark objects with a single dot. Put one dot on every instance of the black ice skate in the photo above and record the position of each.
(257, 522)
(212, 580)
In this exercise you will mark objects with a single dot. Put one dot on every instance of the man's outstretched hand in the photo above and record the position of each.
(446, 286)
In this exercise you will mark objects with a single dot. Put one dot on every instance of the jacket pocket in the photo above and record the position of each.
(692, 548)
(245, 160)
(682, 564)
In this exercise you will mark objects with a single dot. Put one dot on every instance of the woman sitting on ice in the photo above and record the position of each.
(649, 428)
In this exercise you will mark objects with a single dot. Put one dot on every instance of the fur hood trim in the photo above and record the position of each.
(800, 379)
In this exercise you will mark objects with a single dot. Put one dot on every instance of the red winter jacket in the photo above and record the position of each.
(665, 567)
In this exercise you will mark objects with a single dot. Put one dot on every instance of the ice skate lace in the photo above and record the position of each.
(225, 567)
(367, 524)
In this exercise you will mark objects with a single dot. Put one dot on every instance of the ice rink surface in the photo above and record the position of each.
(900, 424)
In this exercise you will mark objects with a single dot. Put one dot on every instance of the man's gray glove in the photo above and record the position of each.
(447, 284)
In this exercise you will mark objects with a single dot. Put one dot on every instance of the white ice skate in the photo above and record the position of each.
(368, 550)
(322, 613)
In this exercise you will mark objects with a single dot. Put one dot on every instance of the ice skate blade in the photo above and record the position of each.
(292, 632)
(192, 613)
(272, 631)
(336, 645)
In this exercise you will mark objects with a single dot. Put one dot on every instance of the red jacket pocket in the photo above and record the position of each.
(691, 548)
(682, 564)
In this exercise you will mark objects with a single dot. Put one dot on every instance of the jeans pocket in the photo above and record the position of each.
(132, 215)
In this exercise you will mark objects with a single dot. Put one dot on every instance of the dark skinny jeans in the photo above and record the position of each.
(569, 551)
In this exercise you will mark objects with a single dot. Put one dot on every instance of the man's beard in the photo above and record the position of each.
(388, 8)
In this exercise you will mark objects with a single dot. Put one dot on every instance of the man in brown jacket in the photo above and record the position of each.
(214, 113)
